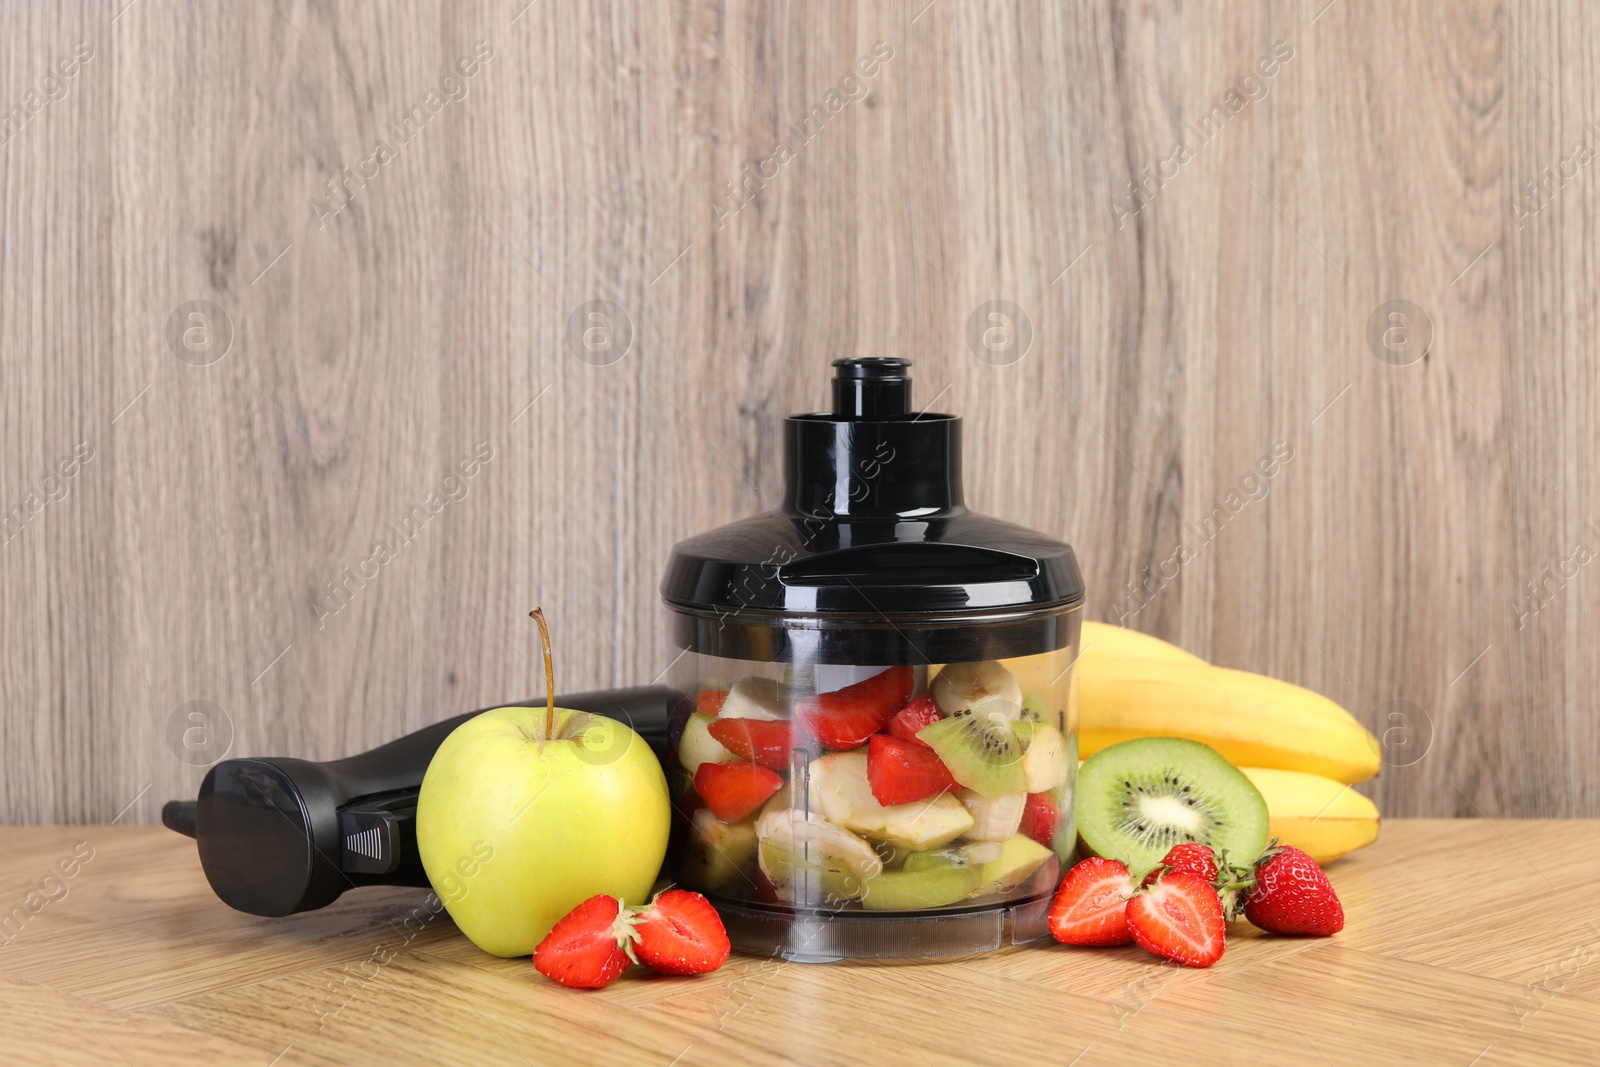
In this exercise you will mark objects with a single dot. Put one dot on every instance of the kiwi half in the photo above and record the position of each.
(1136, 799)
(981, 751)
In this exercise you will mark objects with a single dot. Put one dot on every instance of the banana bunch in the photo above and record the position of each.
(1301, 749)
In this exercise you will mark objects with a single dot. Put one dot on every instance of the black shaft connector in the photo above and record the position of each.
(871, 388)
(872, 455)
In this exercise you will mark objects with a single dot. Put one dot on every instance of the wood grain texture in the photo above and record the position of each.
(136, 959)
(378, 339)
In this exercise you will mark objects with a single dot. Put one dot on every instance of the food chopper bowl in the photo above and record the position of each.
(876, 749)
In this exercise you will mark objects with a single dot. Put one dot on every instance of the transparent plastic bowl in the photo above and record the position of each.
(815, 815)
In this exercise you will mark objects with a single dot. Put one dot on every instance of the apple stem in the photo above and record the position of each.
(549, 676)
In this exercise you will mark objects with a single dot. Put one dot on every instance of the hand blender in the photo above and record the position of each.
(907, 661)
(278, 835)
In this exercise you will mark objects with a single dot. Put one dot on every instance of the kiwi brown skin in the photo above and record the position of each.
(982, 754)
(1138, 798)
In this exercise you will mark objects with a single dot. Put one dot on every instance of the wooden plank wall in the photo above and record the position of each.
(395, 218)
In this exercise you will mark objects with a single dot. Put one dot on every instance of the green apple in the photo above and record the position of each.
(524, 813)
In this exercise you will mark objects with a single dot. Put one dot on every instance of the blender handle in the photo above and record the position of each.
(357, 815)
(401, 763)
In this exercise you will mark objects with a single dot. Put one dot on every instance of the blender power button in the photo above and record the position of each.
(370, 842)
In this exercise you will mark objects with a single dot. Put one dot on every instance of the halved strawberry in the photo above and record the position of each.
(767, 741)
(905, 723)
(679, 932)
(734, 790)
(901, 772)
(1039, 818)
(845, 718)
(587, 948)
(1091, 907)
(710, 701)
(1179, 918)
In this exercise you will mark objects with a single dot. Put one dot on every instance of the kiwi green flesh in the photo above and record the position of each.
(981, 753)
(939, 858)
(933, 887)
(1138, 798)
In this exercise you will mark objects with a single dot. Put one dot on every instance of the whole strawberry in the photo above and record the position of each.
(1293, 896)
(1190, 856)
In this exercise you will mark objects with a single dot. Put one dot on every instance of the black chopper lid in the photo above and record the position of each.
(872, 557)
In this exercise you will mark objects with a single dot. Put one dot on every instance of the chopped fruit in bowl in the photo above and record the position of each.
(697, 746)
(905, 796)
(757, 698)
(981, 750)
(984, 687)
(841, 792)
(716, 851)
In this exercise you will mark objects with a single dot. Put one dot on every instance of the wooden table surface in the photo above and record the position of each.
(1467, 942)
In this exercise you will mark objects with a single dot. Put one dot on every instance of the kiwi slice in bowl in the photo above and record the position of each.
(931, 887)
(1136, 799)
(980, 749)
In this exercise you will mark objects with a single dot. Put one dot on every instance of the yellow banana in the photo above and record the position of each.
(1104, 639)
(1321, 817)
(1254, 721)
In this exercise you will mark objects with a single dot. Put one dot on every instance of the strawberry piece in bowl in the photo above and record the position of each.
(902, 772)
(764, 741)
(920, 712)
(734, 790)
(1040, 817)
(710, 701)
(845, 718)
